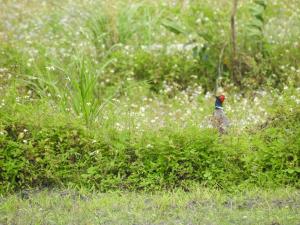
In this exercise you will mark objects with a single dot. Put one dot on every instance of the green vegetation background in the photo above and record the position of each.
(112, 96)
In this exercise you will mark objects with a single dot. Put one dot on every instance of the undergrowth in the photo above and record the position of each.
(69, 155)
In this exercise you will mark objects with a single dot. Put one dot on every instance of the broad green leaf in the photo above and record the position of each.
(253, 32)
(263, 3)
(257, 10)
(257, 23)
(173, 26)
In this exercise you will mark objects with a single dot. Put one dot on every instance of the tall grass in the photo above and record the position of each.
(83, 93)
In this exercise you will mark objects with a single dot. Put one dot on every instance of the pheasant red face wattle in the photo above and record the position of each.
(222, 98)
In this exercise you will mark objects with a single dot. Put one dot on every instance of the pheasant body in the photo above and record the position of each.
(220, 121)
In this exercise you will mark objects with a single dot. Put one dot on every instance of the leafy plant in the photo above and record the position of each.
(256, 23)
(207, 48)
(82, 85)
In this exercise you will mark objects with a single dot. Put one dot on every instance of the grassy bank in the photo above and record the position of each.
(48, 149)
(200, 206)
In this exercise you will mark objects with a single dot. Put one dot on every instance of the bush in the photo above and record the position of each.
(65, 155)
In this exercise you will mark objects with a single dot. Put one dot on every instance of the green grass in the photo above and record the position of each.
(200, 206)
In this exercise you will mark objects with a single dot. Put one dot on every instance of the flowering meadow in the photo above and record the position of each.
(119, 96)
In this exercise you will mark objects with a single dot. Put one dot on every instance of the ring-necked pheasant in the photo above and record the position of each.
(219, 119)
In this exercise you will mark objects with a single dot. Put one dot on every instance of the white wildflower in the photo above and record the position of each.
(149, 146)
(50, 68)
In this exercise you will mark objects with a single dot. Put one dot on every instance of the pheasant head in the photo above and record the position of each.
(219, 102)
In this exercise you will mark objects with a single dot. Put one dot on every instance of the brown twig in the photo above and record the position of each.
(220, 68)
(234, 61)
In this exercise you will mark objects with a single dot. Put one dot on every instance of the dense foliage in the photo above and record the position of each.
(34, 156)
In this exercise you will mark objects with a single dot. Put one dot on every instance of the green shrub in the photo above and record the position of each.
(65, 155)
